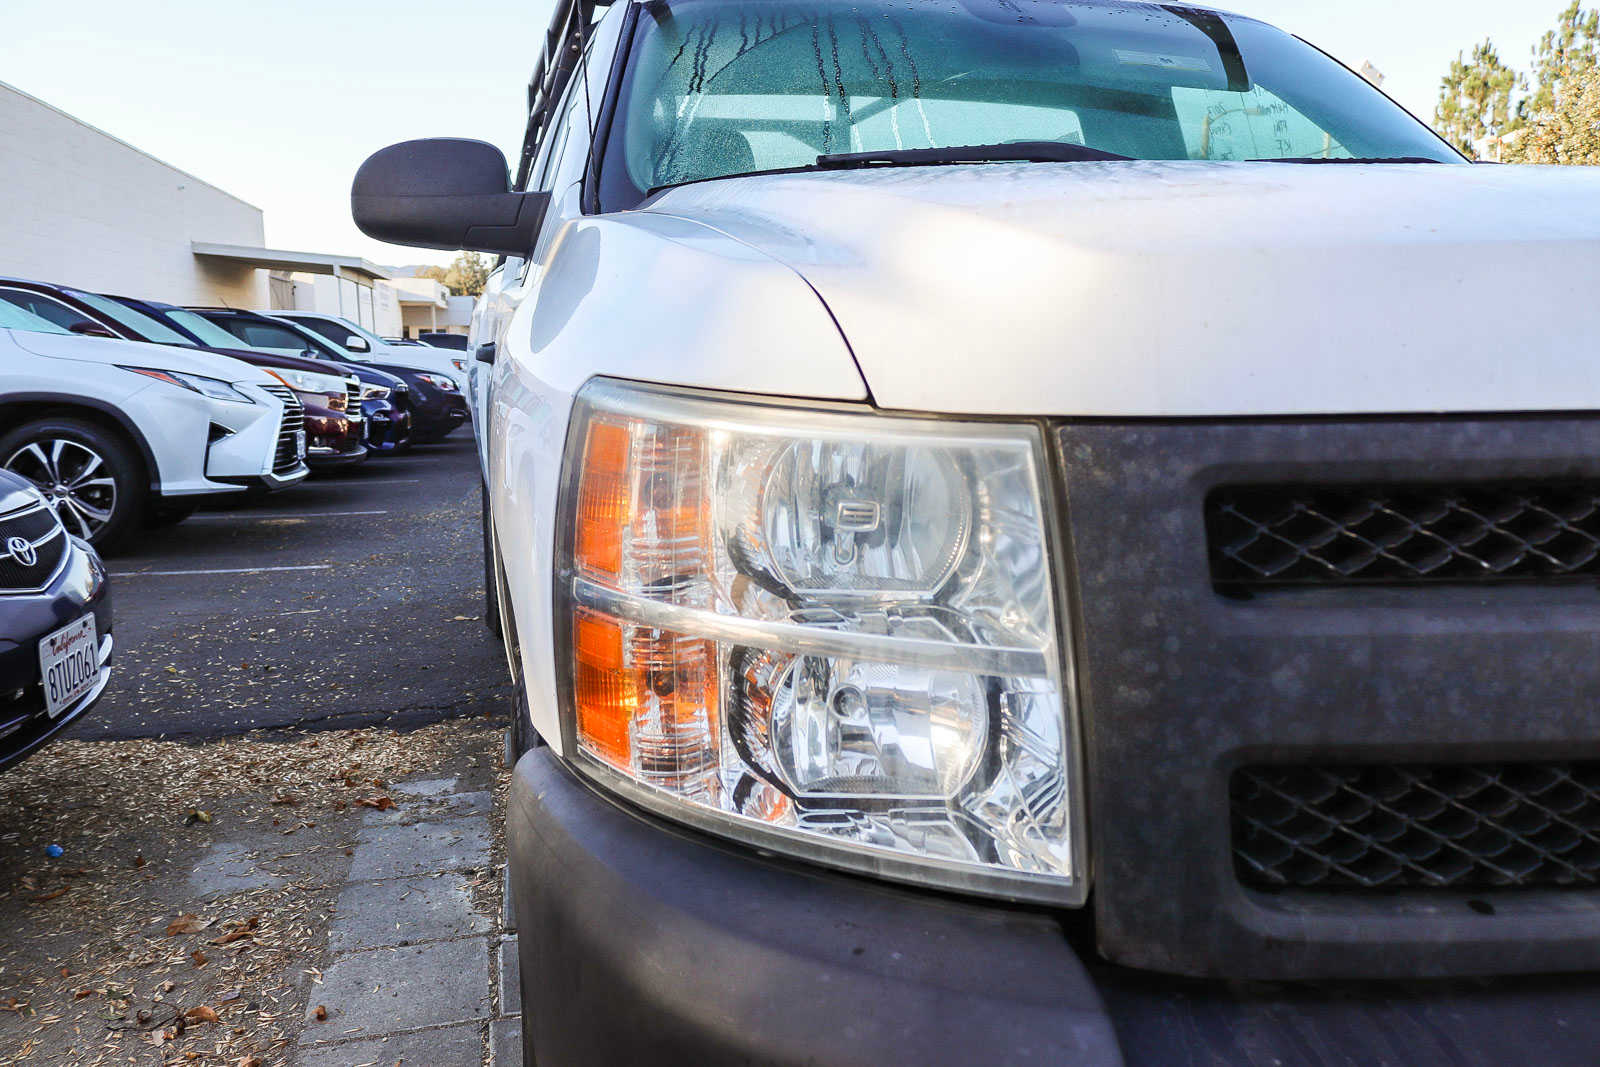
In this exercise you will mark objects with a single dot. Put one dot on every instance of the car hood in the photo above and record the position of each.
(140, 354)
(1193, 289)
(15, 492)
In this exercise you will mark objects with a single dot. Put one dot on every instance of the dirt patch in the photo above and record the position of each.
(167, 902)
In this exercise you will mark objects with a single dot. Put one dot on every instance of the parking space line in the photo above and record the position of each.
(230, 570)
(248, 517)
(366, 481)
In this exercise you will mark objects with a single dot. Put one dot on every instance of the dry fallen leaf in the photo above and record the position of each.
(45, 898)
(250, 1061)
(187, 924)
(321, 1014)
(200, 959)
(381, 803)
(201, 1014)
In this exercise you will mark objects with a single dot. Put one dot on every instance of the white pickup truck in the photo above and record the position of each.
(1030, 531)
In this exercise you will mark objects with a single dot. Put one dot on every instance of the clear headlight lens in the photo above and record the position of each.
(831, 634)
(215, 388)
(374, 392)
(312, 382)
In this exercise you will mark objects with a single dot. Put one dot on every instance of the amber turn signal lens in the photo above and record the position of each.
(604, 500)
(605, 693)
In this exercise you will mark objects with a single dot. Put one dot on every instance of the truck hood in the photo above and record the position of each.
(1193, 289)
(140, 354)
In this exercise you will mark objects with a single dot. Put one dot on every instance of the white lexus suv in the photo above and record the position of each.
(119, 434)
(1031, 531)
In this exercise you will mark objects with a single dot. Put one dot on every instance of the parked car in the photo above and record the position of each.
(333, 438)
(343, 443)
(436, 408)
(457, 341)
(117, 432)
(1069, 538)
(386, 406)
(362, 344)
(55, 623)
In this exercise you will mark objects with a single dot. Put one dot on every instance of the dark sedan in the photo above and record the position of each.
(55, 623)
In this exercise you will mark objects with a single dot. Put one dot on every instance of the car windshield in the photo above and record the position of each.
(144, 325)
(718, 88)
(14, 318)
(209, 333)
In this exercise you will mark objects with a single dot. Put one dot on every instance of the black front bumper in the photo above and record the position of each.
(24, 621)
(639, 944)
(644, 943)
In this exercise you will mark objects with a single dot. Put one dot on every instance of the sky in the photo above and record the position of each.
(278, 103)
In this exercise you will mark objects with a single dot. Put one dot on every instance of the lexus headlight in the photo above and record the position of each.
(439, 381)
(312, 382)
(215, 388)
(374, 392)
(833, 635)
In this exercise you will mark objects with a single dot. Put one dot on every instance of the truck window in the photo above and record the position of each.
(717, 88)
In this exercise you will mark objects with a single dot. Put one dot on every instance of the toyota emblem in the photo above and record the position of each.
(22, 550)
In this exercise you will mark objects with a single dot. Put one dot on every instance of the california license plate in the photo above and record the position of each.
(70, 661)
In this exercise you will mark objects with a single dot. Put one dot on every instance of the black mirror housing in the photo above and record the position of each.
(445, 193)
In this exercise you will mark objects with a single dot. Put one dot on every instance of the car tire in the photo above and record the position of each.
(95, 480)
(491, 593)
(161, 515)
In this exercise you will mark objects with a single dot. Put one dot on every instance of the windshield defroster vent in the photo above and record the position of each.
(1322, 535)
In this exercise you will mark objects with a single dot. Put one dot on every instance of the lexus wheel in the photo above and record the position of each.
(91, 477)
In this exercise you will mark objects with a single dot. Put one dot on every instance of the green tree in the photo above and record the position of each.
(467, 274)
(1475, 111)
(1551, 115)
(1561, 114)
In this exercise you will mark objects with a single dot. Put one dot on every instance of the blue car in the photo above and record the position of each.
(55, 623)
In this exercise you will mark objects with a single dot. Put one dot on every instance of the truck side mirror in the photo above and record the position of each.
(357, 344)
(445, 193)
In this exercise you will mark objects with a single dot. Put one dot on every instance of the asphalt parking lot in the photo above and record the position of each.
(352, 599)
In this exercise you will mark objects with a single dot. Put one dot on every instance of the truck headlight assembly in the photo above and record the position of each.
(829, 634)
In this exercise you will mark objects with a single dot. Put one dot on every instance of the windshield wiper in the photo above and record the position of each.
(1019, 152)
(1334, 159)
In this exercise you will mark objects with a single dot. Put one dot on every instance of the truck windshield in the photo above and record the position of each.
(718, 88)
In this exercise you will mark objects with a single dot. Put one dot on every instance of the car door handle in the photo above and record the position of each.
(486, 352)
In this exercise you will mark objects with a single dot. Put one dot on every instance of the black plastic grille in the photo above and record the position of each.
(1455, 826)
(42, 530)
(1266, 536)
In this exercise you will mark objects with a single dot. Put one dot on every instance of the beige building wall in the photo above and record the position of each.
(85, 209)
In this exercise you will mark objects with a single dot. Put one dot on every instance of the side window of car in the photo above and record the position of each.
(45, 308)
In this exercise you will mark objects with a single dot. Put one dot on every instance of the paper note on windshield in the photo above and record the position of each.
(1131, 58)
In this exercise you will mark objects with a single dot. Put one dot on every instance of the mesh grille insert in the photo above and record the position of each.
(1296, 535)
(1447, 826)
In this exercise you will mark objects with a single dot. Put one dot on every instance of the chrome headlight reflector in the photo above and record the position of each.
(830, 634)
